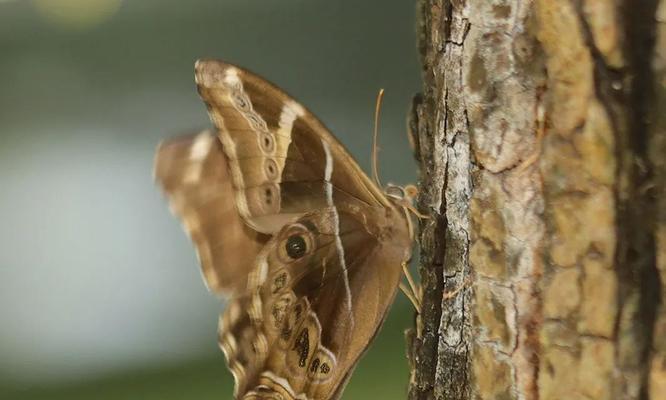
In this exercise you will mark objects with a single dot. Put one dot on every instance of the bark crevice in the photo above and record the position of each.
(536, 143)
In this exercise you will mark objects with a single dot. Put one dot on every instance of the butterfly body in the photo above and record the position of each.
(305, 246)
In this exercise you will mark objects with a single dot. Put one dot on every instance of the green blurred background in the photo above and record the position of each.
(100, 292)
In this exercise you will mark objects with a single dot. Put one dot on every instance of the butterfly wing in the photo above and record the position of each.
(276, 149)
(192, 171)
(294, 327)
(308, 316)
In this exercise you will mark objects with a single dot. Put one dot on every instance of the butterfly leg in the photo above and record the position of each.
(416, 212)
(409, 197)
(413, 292)
(412, 298)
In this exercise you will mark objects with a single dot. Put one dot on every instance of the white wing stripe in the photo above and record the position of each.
(328, 173)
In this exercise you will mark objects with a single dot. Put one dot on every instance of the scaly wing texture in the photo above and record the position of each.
(305, 321)
(275, 149)
(193, 173)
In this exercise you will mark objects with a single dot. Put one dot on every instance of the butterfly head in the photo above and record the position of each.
(402, 195)
(410, 193)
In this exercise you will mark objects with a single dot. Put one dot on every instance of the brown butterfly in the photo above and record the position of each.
(308, 250)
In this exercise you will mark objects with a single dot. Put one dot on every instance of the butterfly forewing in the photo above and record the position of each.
(285, 222)
(264, 130)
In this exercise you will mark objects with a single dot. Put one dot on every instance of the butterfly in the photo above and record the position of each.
(308, 250)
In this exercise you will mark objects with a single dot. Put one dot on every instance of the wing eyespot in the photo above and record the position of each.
(302, 347)
(271, 169)
(280, 281)
(297, 242)
(295, 246)
(268, 195)
(266, 142)
(315, 365)
(323, 361)
(325, 369)
(240, 101)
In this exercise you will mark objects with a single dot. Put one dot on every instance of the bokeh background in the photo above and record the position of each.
(100, 291)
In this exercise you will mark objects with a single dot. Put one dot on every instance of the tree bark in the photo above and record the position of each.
(541, 137)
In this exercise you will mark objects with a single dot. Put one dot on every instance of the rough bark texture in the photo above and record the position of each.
(657, 154)
(541, 134)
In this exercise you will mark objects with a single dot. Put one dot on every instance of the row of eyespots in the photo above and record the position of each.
(302, 348)
(265, 139)
(319, 367)
(286, 317)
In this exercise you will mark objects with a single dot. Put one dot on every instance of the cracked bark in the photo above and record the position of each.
(541, 137)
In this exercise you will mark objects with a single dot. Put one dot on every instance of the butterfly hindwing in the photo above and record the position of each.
(193, 173)
(311, 312)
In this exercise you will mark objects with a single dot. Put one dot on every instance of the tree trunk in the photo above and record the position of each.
(541, 136)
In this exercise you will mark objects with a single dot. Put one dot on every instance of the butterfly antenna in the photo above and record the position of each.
(375, 134)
